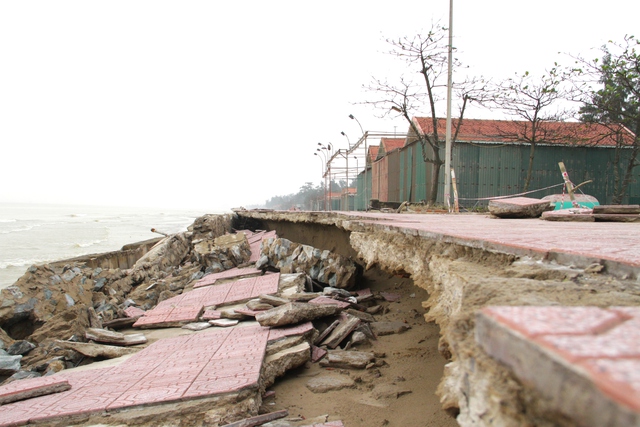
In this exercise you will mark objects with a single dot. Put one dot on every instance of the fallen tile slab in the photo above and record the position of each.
(347, 325)
(133, 312)
(259, 420)
(197, 326)
(96, 350)
(317, 353)
(347, 359)
(327, 300)
(26, 389)
(224, 323)
(390, 297)
(293, 312)
(519, 207)
(388, 328)
(330, 382)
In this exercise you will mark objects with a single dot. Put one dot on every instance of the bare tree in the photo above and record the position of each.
(425, 54)
(609, 89)
(533, 103)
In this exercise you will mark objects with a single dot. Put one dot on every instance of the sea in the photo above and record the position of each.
(34, 234)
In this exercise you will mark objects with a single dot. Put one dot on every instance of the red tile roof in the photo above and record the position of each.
(373, 153)
(390, 144)
(474, 130)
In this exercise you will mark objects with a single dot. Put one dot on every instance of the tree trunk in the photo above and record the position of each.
(432, 182)
(618, 198)
(527, 180)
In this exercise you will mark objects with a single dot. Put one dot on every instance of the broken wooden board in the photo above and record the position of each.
(576, 215)
(617, 209)
(616, 217)
(519, 207)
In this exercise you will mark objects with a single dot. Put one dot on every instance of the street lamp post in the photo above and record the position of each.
(324, 186)
(366, 157)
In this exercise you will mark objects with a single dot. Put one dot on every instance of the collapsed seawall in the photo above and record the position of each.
(463, 275)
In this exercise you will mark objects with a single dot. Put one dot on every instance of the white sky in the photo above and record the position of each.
(212, 105)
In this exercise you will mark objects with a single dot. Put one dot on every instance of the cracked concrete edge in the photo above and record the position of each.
(565, 386)
(355, 223)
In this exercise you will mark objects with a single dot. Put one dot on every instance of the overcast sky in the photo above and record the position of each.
(213, 105)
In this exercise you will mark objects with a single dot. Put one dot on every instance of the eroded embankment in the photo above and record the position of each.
(460, 280)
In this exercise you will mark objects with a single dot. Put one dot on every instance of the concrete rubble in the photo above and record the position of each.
(62, 315)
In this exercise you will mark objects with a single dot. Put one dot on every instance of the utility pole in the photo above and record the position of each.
(447, 161)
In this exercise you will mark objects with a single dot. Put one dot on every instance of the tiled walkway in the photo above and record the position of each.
(174, 369)
(615, 242)
(189, 306)
(584, 359)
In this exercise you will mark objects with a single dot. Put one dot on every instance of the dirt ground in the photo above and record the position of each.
(412, 366)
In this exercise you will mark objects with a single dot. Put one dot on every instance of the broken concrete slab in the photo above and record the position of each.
(275, 365)
(347, 359)
(330, 382)
(519, 207)
(27, 389)
(574, 215)
(617, 209)
(294, 312)
(389, 391)
(9, 365)
(324, 266)
(223, 323)
(347, 325)
(365, 317)
(197, 326)
(259, 420)
(327, 300)
(388, 328)
(96, 350)
(273, 300)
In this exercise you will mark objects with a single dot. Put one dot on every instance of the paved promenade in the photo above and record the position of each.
(585, 360)
(615, 244)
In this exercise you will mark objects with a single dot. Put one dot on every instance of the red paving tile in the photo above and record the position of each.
(277, 333)
(616, 242)
(173, 369)
(534, 321)
(326, 300)
(603, 344)
(189, 306)
(227, 274)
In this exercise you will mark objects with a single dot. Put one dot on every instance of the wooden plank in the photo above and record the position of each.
(616, 218)
(617, 209)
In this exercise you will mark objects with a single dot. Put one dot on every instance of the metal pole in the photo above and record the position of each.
(347, 157)
(447, 162)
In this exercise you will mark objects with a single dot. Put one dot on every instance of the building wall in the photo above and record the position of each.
(491, 170)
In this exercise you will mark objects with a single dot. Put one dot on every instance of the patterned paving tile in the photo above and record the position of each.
(556, 320)
(327, 300)
(267, 284)
(277, 333)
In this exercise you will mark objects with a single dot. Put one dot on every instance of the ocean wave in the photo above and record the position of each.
(8, 220)
(88, 244)
(18, 262)
(19, 229)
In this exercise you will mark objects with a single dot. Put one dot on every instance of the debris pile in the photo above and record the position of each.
(58, 317)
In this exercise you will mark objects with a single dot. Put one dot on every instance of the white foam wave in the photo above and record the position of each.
(8, 220)
(19, 262)
(19, 229)
(88, 244)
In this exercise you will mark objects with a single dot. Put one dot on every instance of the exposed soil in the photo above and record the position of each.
(412, 365)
